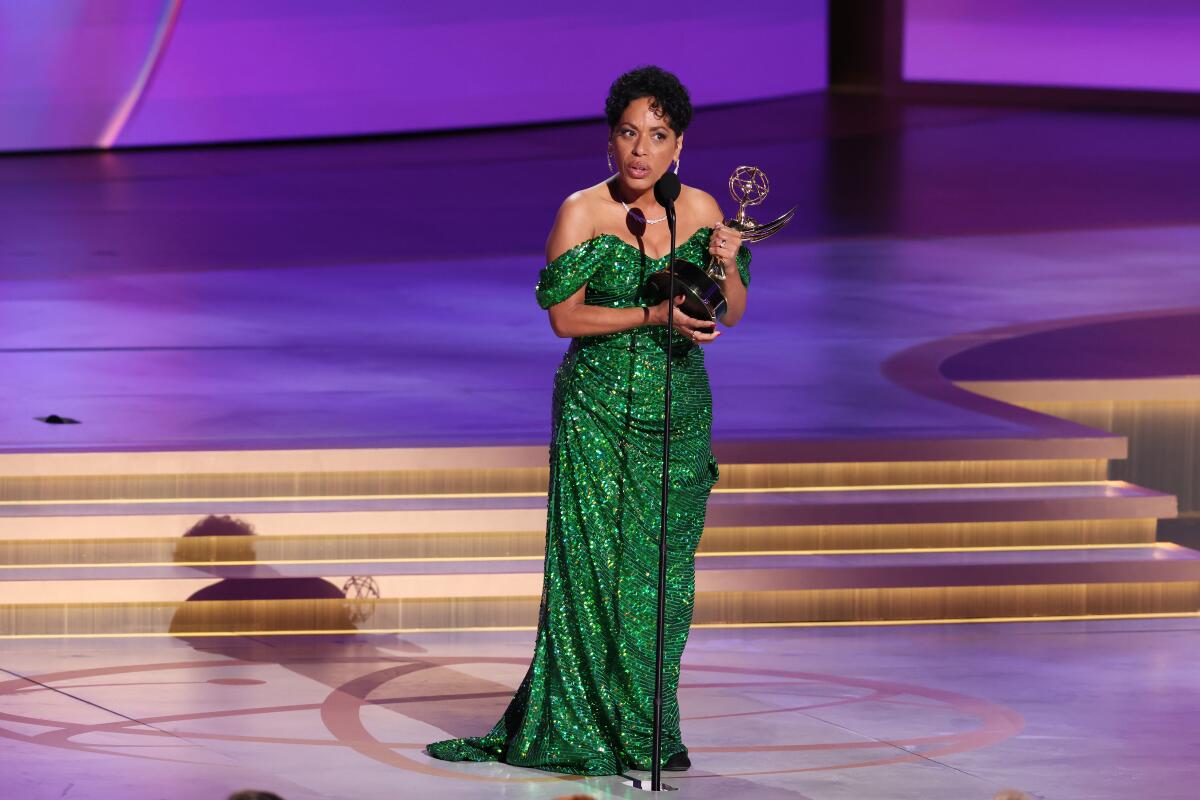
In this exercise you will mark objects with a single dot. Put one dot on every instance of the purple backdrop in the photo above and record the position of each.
(127, 72)
(1149, 44)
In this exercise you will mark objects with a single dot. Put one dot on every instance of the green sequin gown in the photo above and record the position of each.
(586, 705)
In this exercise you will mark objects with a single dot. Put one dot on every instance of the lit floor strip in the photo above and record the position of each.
(508, 495)
(709, 625)
(477, 559)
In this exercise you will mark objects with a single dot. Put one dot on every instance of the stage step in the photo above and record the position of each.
(219, 486)
(797, 533)
(218, 475)
(1097, 500)
(731, 590)
(453, 576)
(201, 551)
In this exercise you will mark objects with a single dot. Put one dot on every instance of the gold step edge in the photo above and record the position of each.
(273, 539)
(701, 554)
(705, 625)
(517, 495)
(736, 474)
(310, 460)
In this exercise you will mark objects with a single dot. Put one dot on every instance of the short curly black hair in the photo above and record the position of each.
(663, 88)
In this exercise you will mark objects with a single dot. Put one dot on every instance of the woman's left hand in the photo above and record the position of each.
(724, 244)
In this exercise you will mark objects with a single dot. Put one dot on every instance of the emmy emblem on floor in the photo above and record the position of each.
(703, 298)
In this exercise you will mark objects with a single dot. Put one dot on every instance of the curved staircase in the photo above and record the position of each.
(451, 538)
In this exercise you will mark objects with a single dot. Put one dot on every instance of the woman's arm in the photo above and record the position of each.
(732, 287)
(573, 317)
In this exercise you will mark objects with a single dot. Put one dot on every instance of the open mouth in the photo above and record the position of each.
(638, 170)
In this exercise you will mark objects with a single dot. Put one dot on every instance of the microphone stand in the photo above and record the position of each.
(659, 643)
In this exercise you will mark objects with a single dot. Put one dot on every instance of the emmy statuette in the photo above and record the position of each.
(703, 298)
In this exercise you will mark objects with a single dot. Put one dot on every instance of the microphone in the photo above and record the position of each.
(666, 190)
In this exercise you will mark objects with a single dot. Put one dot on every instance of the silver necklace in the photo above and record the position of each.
(629, 211)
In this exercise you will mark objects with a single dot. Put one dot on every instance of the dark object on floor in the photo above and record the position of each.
(55, 419)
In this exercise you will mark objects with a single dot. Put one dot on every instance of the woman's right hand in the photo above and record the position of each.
(688, 327)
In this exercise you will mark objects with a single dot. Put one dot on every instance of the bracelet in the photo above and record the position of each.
(645, 315)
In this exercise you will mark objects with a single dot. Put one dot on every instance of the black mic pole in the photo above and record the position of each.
(665, 192)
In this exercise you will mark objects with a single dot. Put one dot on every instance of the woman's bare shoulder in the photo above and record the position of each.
(577, 220)
(585, 202)
(700, 205)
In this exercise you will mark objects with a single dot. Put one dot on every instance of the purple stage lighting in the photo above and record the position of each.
(139, 72)
(1112, 44)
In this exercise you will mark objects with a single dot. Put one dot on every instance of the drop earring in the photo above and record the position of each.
(611, 168)
(677, 166)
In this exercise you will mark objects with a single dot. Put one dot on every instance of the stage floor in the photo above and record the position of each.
(1066, 711)
(348, 295)
(352, 295)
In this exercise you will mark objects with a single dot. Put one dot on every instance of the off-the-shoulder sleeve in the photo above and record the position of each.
(743, 264)
(563, 276)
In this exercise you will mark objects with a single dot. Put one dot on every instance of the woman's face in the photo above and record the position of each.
(643, 145)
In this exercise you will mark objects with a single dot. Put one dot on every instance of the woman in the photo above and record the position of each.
(586, 704)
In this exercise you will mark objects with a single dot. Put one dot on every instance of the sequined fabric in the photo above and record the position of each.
(586, 704)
